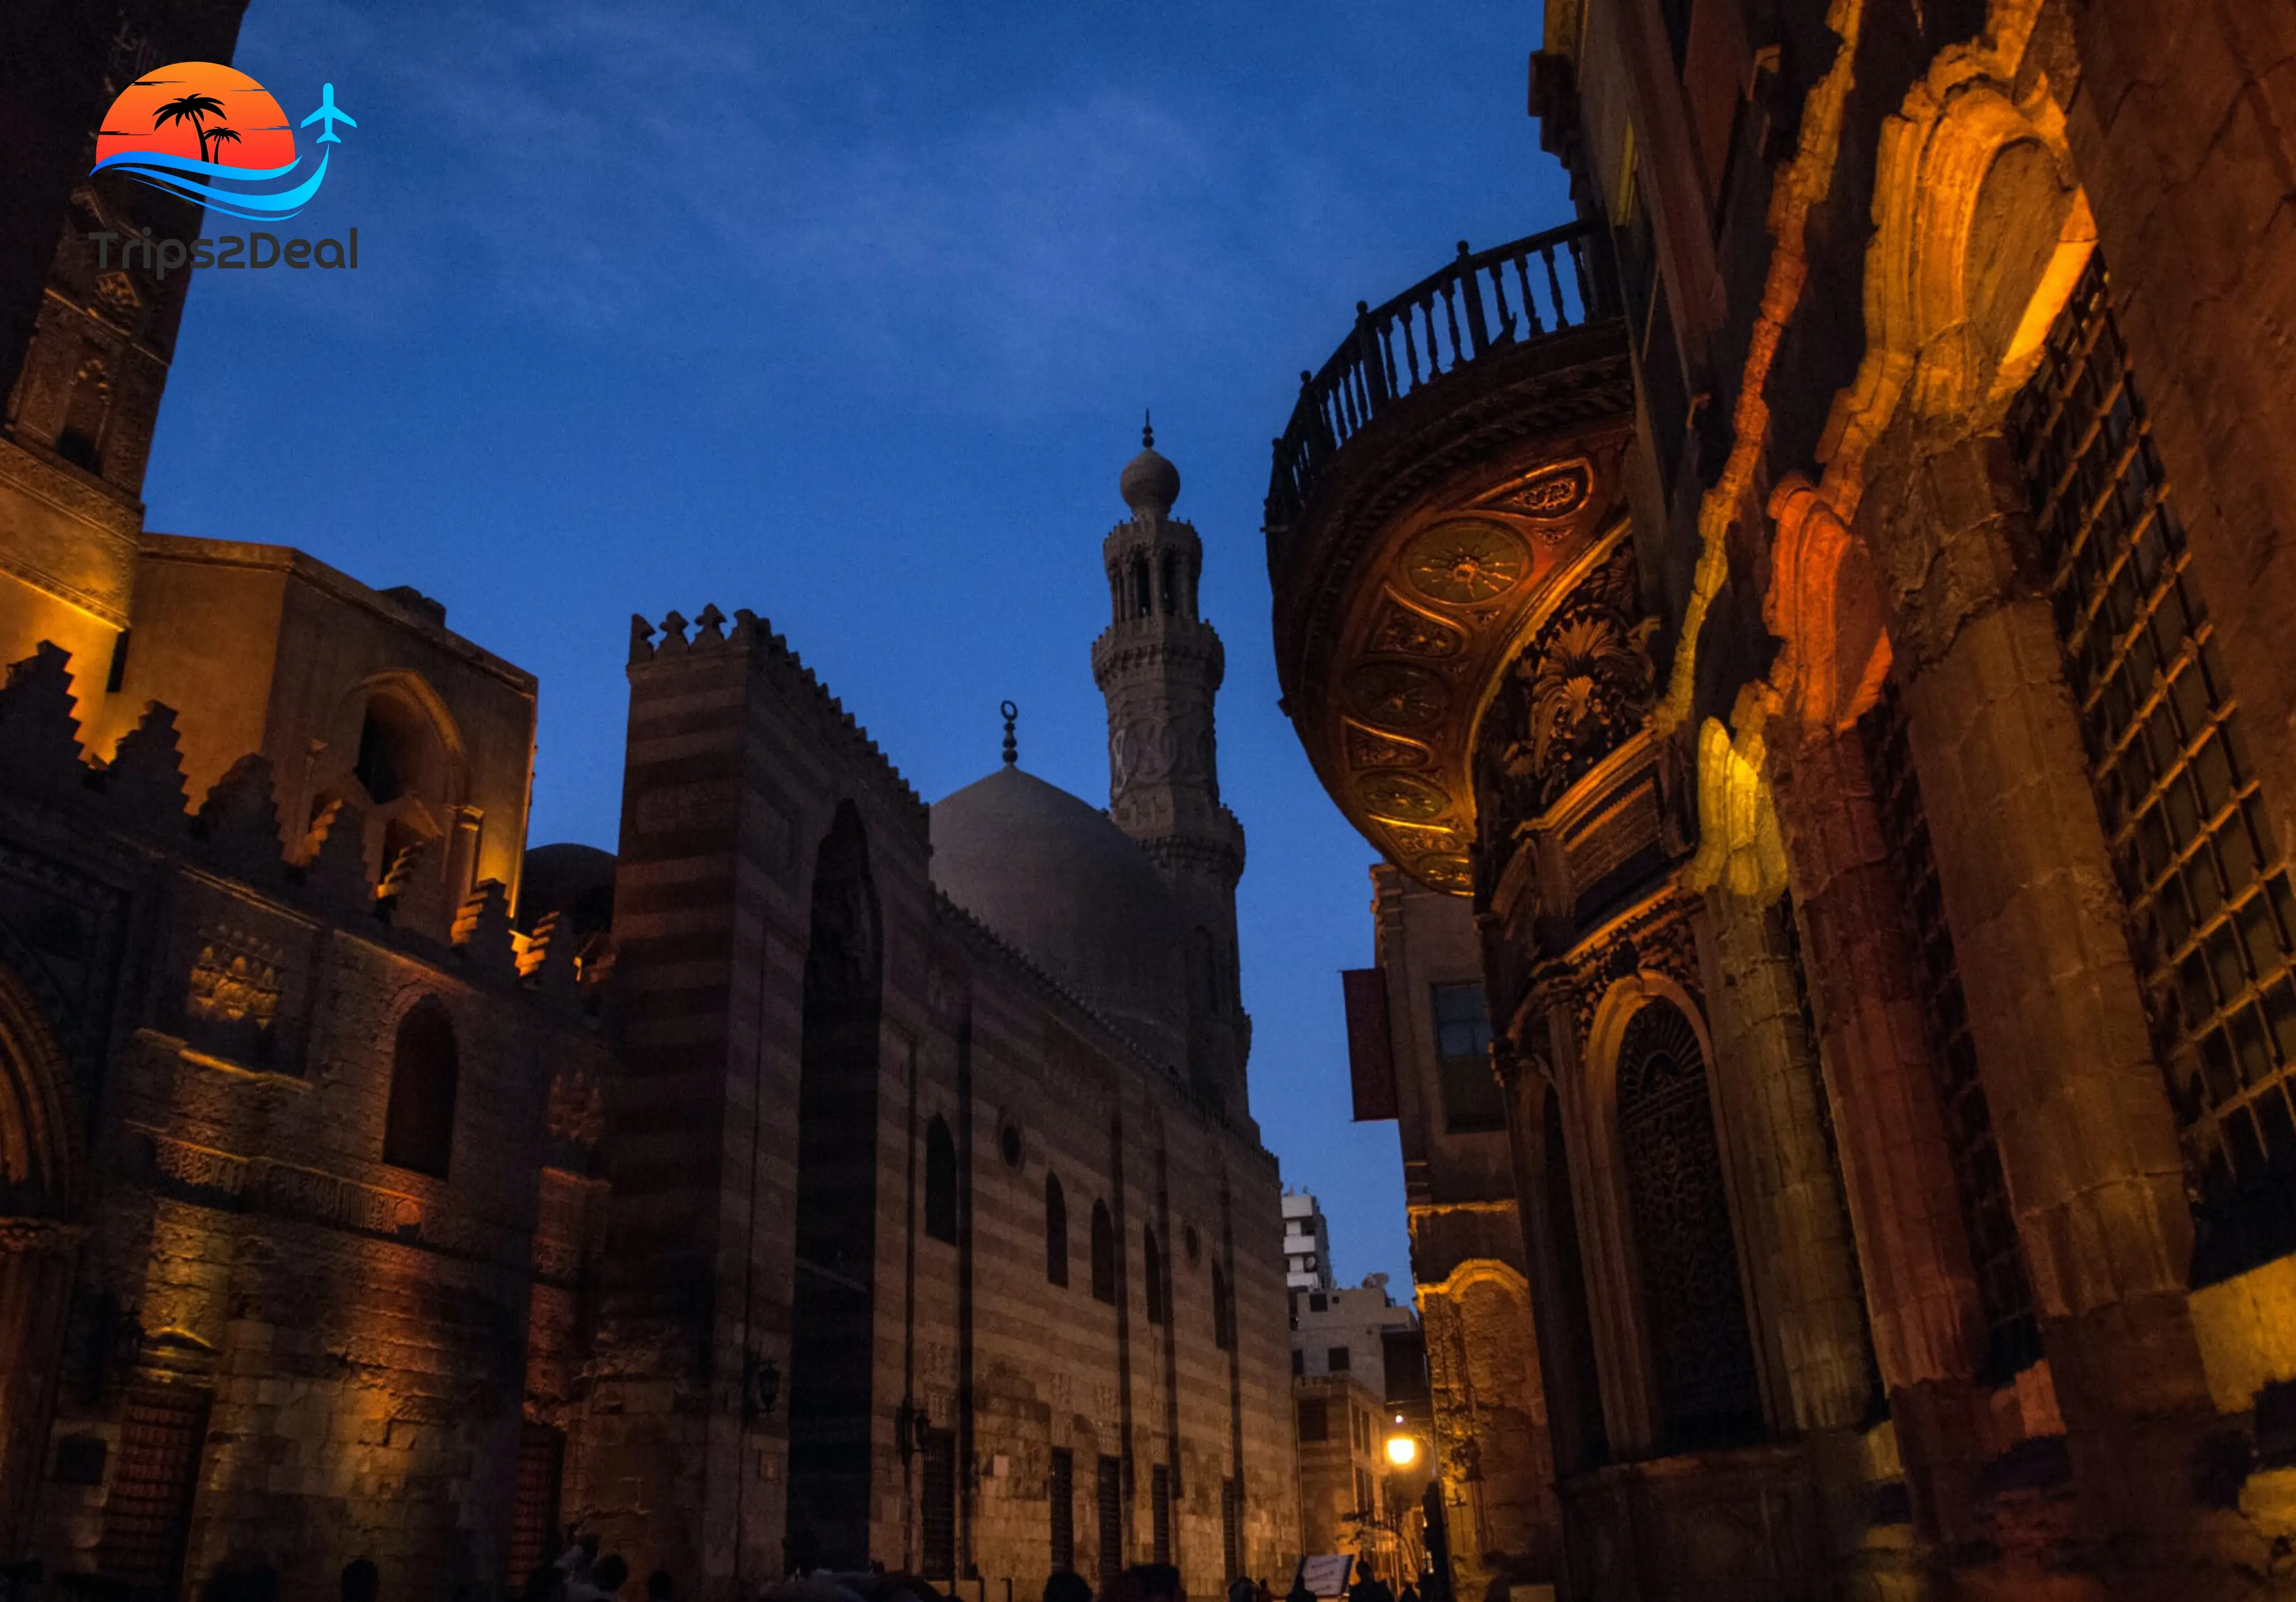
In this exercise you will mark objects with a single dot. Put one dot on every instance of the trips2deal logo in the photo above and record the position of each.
(214, 136)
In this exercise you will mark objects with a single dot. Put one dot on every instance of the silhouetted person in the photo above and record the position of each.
(1158, 1582)
(243, 1577)
(1300, 1592)
(1368, 1587)
(1502, 1579)
(362, 1582)
(802, 1551)
(1409, 1593)
(580, 1555)
(544, 1584)
(1067, 1586)
(658, 1586)
(1242, 1590)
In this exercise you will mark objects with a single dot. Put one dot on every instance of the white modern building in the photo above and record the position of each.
(1306, 1243)
(1347, 1332)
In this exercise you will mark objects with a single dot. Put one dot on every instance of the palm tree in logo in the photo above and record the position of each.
(220, 136)
(195, 109)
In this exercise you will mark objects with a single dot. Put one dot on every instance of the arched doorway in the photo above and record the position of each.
(39, 1200)
(1692, 1292)
(832, 1403)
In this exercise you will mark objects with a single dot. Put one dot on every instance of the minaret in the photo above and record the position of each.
(1159, 665)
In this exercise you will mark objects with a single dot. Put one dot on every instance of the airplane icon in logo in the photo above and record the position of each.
(327, 112)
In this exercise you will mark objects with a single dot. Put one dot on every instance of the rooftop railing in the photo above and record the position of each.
(1479, 302)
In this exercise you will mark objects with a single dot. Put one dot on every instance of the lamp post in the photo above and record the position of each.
(1411, 1455)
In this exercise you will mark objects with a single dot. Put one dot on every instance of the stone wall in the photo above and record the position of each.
(739, 764)
(355, 1330)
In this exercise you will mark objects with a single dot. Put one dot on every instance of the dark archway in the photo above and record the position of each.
(419, 1127)
(940, 1181)
(1692, 1292)
(40, 1199)
(832, 1399)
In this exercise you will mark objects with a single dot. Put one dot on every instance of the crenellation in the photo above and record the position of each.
(238, 823)
(482, 933)
(143, 781)
(40, 738)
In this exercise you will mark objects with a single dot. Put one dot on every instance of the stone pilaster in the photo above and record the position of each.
(1769, 1072)
(2086, 1136)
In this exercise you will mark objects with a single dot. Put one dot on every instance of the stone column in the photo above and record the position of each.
(1769, 1073)
(2087, 1141)
(1873, 1040)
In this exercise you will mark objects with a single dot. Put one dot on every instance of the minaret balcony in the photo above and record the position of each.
(1443, 480)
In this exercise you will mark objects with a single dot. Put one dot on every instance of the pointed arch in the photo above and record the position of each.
(1983, 231)
(42, 1196)
(1690, 1280)
(831, 1378)
(940, 1181)
(425, 1074)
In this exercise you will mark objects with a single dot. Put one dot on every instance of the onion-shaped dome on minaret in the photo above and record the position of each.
(1148, 483)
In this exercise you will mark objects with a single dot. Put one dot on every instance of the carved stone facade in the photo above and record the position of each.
(1885, 970)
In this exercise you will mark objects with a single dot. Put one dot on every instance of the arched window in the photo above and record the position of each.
(1170, 604)
(1103, 1254)
(1143, 599)
(1223, 1313)
(1056, 1232)
(1152, 1269)
(394, 738)
(940, 1181)
(419, 1126)
(1693, 1298)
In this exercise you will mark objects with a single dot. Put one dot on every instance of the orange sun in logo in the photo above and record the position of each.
(202, 112)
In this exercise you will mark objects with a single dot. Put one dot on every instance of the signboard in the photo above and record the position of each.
(1326, 1575)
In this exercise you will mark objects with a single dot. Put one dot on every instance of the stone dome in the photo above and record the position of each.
(1148, 483)
(577, 881)
(1072, 892)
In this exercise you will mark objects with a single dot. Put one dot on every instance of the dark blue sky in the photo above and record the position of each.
(846, 311)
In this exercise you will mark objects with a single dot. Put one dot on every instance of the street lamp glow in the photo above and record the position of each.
(1402, 1450)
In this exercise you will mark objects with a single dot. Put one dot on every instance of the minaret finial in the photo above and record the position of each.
(1147, 431)
(1011, 743)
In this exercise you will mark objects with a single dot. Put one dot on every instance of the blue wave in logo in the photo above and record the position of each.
(183, 176)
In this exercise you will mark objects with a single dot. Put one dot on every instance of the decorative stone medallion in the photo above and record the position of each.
(1400, 798)
(1465, 561)
(1397, 695)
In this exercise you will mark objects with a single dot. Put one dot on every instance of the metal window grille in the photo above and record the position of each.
(1063, 1497)
(534, 1500)
(1231, 1528)
(1108, 1502)
(1160, 1502)
(2004, 1294)
(939, 1516)
(147, 1518)
(1472, 1102)
(1693, 1296)
(2212, 919)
